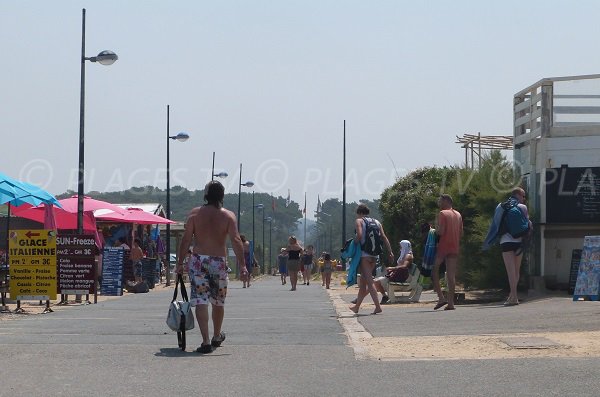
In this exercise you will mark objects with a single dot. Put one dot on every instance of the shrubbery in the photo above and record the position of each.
(412, 201)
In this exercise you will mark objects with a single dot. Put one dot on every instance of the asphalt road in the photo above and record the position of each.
(279, 343)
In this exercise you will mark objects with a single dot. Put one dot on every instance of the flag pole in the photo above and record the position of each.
(304, 219)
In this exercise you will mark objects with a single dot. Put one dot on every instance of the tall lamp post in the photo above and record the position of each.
(267, 219)
(220, 174)
(344, 194)
(260, 207)
(181, 137)
(104, 58)
(246, 184)
(239, 221)
(270, 245)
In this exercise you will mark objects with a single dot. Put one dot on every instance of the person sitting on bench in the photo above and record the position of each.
(398, 274)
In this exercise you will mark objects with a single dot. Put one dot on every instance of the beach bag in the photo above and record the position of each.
(180, 317)
(514, 221)
(373, 243)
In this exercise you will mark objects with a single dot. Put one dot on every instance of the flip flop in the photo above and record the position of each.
(440, 304)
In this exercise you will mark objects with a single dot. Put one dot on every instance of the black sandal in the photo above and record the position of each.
(216, 341)
(205, 349)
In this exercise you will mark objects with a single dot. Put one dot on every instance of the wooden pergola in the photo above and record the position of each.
(476, 143)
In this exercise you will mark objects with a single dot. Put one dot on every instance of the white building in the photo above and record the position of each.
(557, 148)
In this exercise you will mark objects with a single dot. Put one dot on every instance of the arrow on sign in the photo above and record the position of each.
(29, 234)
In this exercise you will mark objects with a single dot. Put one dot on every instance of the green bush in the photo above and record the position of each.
(412, 201)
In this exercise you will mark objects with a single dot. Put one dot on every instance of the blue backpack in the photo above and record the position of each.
(514, 221)
(373, 242)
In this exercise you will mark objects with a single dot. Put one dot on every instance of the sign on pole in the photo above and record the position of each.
(32, 255)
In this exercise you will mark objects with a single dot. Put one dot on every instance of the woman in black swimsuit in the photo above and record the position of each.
(294, 250)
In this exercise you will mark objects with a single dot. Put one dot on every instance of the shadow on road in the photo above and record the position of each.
(172, 352)
(176, 352)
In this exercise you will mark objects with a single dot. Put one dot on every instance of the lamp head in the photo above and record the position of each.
(260, 206)
(248, 184)
(222, 175)
(181, 137)
(106, 58)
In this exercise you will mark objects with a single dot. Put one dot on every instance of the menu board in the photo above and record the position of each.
(76, 264)
(573, 195)
(588, 277)
(32, 256)
(149, 266)
(112, 271)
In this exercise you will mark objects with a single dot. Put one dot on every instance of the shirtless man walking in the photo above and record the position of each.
(207, 228)
(449, 227)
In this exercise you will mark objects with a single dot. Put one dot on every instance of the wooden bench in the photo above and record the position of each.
(410, 286)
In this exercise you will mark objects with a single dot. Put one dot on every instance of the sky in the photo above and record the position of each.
(268, 84)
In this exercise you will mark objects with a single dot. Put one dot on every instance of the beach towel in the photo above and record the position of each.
(429, 254)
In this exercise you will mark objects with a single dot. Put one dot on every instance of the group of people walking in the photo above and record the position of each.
(294, 259)
(207, 228)
(510, 228)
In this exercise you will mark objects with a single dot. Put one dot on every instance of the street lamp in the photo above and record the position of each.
(104, 58)
(270, 245)
(220, 174)
(181, 137)
(267, 219)
(260, 207)
(246, 184)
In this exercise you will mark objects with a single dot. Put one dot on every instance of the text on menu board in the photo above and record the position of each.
(76, 264)
(32, 256)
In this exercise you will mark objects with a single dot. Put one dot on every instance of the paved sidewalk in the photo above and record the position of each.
(552, 326)
(279, 343)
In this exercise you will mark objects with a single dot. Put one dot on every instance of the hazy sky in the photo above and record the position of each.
(269, 83)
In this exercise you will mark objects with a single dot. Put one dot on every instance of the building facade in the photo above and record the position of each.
(557, 150)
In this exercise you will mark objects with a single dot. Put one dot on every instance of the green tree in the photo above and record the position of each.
(412, 201)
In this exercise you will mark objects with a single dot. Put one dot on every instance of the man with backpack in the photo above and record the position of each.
(371, 237)
(511, 224)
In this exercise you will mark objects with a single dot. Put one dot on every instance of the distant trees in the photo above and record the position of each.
(285, 219)
(403, 208)
(326, 232)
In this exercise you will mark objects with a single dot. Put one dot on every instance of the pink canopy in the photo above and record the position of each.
(66, 217)
(89, 204)
(62, 219)
(134, 215)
